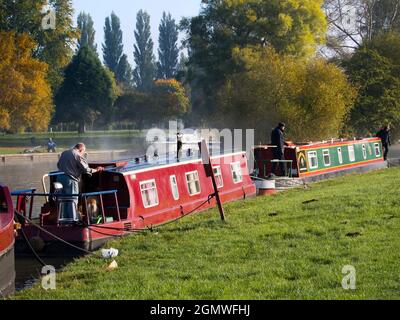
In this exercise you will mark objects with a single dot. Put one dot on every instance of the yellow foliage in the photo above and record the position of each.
(171, 97)
(25, 95)
(311, 95)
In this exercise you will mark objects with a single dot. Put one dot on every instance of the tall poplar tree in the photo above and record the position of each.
(144, 71)
(86, 28)
(113, 50)
(168, 51)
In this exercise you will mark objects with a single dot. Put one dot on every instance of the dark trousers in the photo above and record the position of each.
(278, 156)
(385, 150)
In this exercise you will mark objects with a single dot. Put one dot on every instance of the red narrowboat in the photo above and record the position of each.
(321, 160)
(130, 196)
(7, 267)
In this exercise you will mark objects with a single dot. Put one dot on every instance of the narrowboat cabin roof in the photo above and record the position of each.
(143, 164)
(331, 142)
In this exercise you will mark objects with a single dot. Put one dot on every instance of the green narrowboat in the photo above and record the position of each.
(321, 160)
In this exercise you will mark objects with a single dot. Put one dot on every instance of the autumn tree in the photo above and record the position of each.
(53, 45)
(293, 27)
(311, 95)
(88, 91)
(144, 72)
(25, 95)
(170, 98)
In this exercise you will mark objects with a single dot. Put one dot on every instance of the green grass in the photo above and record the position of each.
(270, 248)
(72, 134)
(11, 150)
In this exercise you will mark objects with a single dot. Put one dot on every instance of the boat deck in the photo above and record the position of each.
(141, 163)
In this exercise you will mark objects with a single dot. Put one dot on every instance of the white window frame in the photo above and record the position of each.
(311, 155)
(174, 186)
(377, 150)
(155, 188)
(234, 166)
(352, 153)
(216, 174)
(187, 182)
(364, 151)
(324, 153)
(340, 155)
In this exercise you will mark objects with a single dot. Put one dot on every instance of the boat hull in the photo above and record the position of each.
(338, 173)
(7, 260)
(189, 179)
(7, 272)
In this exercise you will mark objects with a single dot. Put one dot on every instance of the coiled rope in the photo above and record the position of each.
(151, 229)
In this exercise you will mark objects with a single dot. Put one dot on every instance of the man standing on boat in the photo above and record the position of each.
(384, 135)
(278, 142)
(73, 163)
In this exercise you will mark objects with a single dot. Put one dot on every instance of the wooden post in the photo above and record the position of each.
(205, 155)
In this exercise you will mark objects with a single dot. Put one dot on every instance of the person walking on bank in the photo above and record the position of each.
(384, 135)
(73, 163)
(278, 141)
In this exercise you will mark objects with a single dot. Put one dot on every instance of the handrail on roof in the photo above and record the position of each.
(60, 195)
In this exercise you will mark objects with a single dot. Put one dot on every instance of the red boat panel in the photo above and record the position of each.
(7, 268)
(6, 220)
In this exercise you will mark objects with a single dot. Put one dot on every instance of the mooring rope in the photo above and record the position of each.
(51, 234)
(151, 229)
(37, 257)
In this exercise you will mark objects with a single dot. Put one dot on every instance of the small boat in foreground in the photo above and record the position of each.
(129, 196)
(7, 264)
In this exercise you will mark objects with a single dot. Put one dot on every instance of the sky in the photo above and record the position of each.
(126, 10)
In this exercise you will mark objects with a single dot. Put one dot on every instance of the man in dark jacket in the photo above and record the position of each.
(74, 164)
(384, 135)
(278, 141)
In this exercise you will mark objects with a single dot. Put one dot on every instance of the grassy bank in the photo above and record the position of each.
(71, 134)
(292, 245)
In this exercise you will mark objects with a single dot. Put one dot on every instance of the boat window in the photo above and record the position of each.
(364, 150)
(218, 177)
(193, 183)
(377, 150)
(149, 193)
(340, 155)
(236, 172)
(352, 155)
(327, 157)
(174, 187)
(313, 159)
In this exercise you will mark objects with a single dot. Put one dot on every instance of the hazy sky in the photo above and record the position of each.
(126, 10)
